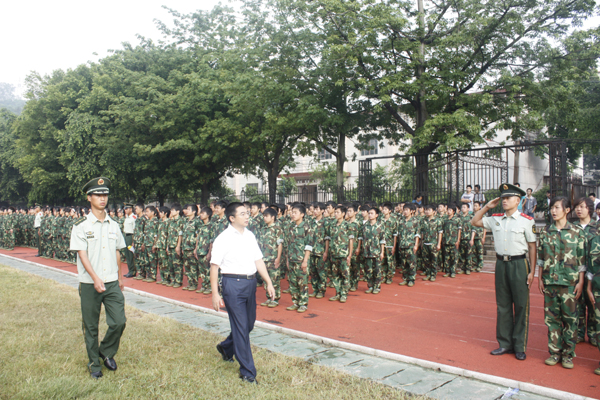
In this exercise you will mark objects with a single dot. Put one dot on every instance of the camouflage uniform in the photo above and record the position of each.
(328, 222)
(150, 236)
(121, 221)
(138, 240)
(372, 237)
(161, 252)
(256, 224)
(441, 258)
(452, 228)
(429, 231)
(174, 231)
(561, 257)
(388, 266)
(585, 308)
(299, 239)
(9, 225)
(188, 244)
(339, 249)
(407, 233)
(593, 275)
(205, 238)
(354, 261)
(420, 260)
(270, 239)
(464, 250)
(318, 273)
(477, 250)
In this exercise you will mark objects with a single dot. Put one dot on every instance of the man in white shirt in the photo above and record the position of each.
(36, 225)
(128, 229)
(236, 254)
(468, 197)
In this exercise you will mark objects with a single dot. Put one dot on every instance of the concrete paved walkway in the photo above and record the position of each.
(412, 375)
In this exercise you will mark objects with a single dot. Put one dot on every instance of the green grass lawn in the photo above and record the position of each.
(43, 356)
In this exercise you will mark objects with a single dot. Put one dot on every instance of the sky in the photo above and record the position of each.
(43, 35)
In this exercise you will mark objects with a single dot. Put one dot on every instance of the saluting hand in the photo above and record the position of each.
(493, 203)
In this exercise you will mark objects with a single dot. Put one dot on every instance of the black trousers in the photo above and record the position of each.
(239, 296)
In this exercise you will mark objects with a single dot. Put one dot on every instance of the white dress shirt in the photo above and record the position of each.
(236, 253)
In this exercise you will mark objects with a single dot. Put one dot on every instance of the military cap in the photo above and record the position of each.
(97, 186)
(507, 190)
(127, 205)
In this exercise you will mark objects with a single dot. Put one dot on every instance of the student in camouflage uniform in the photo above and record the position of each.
(464, 249)
(593, 279)
(174, 238)
(584, 209)
(341, 243)
(203, 249)
(329, 220)
(299, 246)
(161, 246)
(451, 239)
(188, 245)
(351, 212)
(220, 222)
(372, 246)
(420, 216)
(121, 220)
(390, 229)
(318, 273)
(408, 244)
(442, 215)
(561, 258)
(256, 222)
(360, 257)
(138, 240)
(271, 246)
(9, 229)
(150, 238)
(476, 243)
(430, 231)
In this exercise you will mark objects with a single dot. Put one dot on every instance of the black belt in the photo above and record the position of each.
(509, 258)
(239, 276)
(129, 234)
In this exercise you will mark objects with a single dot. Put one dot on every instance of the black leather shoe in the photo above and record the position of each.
(501, 350)
(221, 350)
(520, 356)
(128, 276)
(37, 255)
(249, 379)
(109, 363)
(96, 375)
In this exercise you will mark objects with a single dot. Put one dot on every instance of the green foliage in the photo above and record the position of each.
(287, 186)
(9, 100)
(325, 175)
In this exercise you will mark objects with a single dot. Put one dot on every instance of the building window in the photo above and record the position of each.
(325, 155)
(252, 186)
(372, 150)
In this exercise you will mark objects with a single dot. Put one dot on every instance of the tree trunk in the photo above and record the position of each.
(205, 194)
(272, 174)
(161, 198)
(340, 160)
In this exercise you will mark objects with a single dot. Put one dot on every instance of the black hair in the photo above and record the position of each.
(256, 203)
(342, 209)
(517, 184)
(477, 187)
(566, 203)
(592, 194)
(588, 203)
(207, 210)
(477, 202)
(247, 204)
(222, 204)
(331, 203)
(264, 203)
(365, 207)
(194, 208)
(431, 207)
(176, 207)
(469, 186)
(320, 205)
(418, 195)
(352, 206)
(375, 209)
(452, 206)
(530, 189)
(411, 207)
(270, 212)
(164, 209)
(465, 204)
(231, 209)
(153, 210)
(300, 208)
(140, 205)
(388, 206)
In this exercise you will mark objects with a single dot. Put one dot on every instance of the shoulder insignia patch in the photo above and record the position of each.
(533, 228)
(498, 215)
(526, 216)
(80, 220)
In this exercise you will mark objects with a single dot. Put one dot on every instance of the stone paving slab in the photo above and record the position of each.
(404, 376)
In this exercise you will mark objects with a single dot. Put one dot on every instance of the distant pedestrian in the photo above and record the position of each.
(530, 203)
(477, 195)
(468, 197)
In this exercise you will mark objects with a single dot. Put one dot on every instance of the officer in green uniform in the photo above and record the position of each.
(514, 235)
(97, 239)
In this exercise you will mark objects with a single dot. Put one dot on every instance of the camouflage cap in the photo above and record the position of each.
(507, 190)
(97, 186)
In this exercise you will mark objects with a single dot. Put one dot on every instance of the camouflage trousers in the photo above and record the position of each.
(586, 315)
(274, 275)
(151, 263)
(477, 255)
(175, 266)
(373, 272)
(560, 308)
(340, 272)
(298, 280)
(318, 274)
(420, 260)
(597, 315)
(430, 260)
(190, 266)
(407, 263)
(441, 258)
(141, 260)
(451, 258)
(47, 246)
(388, 265)
(163, 264)
(464, 256)
(204, 271)
(9, 240)
(355, 268)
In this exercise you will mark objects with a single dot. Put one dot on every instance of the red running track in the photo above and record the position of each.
(450, 321)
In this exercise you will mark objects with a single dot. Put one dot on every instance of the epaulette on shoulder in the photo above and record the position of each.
(80, 220)
(498, 215)
(526, 216)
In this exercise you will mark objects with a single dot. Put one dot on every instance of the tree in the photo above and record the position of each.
(12, 186)
(449, 73)
(9, 100)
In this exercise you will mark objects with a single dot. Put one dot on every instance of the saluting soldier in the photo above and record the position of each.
(97, 239)
(514, 236)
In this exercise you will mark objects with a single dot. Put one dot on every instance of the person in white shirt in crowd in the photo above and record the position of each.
(468, 197)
